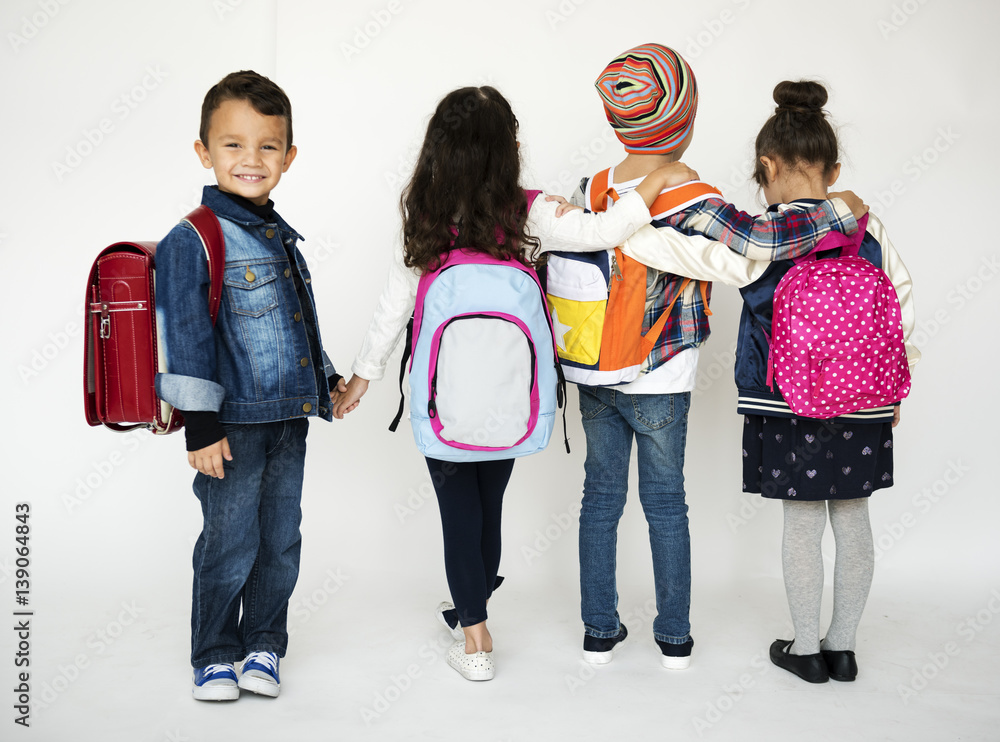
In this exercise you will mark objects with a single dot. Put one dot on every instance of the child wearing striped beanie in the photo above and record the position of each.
(650, 98)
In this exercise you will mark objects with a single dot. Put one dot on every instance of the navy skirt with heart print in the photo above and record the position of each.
(806, 459)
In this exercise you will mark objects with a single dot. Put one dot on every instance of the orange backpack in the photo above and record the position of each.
(598, 300)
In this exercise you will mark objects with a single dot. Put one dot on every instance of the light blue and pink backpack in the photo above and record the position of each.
(484, 376)
(836, 333)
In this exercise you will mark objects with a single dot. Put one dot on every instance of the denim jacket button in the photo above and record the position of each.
(304, 362)
(269, 233)
(288, 272)
(249, 276)
(307, 407)
(297, 316)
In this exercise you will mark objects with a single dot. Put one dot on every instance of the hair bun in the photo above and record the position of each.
(804, 96)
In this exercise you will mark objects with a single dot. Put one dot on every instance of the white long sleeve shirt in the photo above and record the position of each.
(572, 232)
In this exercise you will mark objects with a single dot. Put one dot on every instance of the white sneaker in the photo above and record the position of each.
(477, 666)
(456, 630)
(259, 674)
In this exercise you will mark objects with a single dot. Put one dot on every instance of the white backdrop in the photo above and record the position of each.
(102, 102)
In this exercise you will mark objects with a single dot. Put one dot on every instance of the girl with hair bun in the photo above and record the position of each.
(815, 466)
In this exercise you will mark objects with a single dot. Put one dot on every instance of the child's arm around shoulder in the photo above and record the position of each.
(571, 229)
(774, 235)
(691, 255)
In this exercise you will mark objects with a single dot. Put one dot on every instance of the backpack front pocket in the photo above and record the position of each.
(483, 382)
(865, 367)
(577, 287)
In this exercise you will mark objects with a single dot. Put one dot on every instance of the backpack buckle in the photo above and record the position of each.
(105, 331)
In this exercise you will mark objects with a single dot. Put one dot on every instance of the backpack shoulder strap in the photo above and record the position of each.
(678, 198)
(600, 191)
(402, 374)
(849, 244)
(206, 225)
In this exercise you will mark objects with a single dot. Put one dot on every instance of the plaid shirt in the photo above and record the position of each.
(771, 236)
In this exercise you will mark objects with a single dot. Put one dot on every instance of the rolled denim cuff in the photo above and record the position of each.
(190, 393)
(328, 369)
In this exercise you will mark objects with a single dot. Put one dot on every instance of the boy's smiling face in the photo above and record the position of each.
(247, 150)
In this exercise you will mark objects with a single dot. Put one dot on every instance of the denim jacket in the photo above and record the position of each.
(264, 360)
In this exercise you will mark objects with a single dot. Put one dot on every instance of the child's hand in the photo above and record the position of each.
(348, 396)
(564, 206)
(674, 174)
(208, 460)
(341, 387)
(858, 207)
(665, 176)
(895, 416)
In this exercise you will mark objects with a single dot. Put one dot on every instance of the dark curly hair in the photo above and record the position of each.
(798, 133)
(467, 177)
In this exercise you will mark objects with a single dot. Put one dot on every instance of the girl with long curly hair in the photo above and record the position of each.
(467, 179)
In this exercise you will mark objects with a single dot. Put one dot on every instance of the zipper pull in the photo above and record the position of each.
(432, 402)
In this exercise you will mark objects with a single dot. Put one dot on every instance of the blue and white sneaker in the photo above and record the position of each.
(259, 674)
(215, 683)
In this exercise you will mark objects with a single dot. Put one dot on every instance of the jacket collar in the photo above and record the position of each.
(803, 202)
(227, 208)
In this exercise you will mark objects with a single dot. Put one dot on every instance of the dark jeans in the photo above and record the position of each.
(470, 497)
(247, 555)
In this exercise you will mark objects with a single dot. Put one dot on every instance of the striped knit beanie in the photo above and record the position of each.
(650, 98)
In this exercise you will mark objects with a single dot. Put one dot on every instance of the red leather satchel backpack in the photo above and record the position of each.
(122, 352)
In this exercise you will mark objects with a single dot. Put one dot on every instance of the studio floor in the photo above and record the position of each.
(359, 668)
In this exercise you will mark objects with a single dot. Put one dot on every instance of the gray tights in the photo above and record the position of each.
(802, 562)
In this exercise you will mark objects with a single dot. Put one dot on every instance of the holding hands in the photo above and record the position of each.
(348, 395)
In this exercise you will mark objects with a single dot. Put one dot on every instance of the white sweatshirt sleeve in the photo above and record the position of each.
(573, 232)
(580, 232)
(388, 323)
(694, 256)
(893, 266)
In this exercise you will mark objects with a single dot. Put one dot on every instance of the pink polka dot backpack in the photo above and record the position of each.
(837, 335)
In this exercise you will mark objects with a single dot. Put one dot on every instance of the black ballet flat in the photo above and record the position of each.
(840, 664)
(809, 667)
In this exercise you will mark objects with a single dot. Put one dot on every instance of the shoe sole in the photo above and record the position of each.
(675, 663)
(216, 693)
(475, 675)
(598, 658)
(259, 686)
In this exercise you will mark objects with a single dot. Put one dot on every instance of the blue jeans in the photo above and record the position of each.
(659, 424)
(247, 556)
